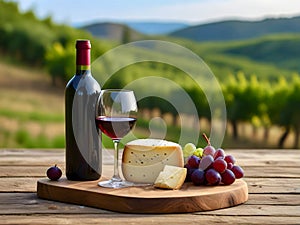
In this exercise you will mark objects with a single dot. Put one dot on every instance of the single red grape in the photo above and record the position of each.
(213, 177)
(206, 162)
(219, 153)
(198, 177)
(220, 165)
(230, 159)
(228, 177)
(193, 161)
(238, 172)
(54, 173)
(209, 150)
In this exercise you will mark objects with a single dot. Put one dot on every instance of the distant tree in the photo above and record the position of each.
(48, 21)
(126, 35)
(284, 108)
(60, 62)
(30, 15)
(292, 108)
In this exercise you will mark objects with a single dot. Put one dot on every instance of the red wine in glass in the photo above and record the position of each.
(115, 127)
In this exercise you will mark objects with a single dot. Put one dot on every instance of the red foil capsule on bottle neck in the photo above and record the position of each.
(83, 49)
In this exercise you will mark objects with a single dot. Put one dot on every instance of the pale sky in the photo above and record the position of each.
(189, 11)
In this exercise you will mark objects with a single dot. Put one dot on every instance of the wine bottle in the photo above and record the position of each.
(83, 138)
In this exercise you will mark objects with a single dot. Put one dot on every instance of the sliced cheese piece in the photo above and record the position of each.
(144, 159)
(172, 177)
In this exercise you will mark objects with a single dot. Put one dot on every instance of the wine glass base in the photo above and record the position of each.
(115, 183)
(119, 183)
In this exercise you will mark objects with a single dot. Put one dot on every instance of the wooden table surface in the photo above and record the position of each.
(273, 178)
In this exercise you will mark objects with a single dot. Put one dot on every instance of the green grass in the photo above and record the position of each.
(24, 139)
(32, 116)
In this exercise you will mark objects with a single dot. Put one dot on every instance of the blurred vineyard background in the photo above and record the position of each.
(259, 77)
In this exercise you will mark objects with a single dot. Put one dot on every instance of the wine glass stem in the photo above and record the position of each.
(116, 160)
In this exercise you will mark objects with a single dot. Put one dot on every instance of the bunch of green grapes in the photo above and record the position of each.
(190, 149)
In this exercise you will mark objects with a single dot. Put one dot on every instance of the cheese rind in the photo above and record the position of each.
(144, 159)
(171, 177)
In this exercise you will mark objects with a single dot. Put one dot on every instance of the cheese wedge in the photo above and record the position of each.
(144, 159)
(172, 177)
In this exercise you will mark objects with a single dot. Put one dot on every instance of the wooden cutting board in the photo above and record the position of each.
(147, 199)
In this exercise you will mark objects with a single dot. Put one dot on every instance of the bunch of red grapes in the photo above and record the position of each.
(214, 168)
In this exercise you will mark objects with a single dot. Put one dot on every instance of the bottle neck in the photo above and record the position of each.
(83, 60)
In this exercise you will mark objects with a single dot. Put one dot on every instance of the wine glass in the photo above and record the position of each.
(116, 114)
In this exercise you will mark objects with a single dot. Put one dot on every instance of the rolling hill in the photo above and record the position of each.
(238, 30)
(113, 31)
(282, 51)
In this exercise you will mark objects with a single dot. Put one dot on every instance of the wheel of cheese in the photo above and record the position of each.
(144, 159)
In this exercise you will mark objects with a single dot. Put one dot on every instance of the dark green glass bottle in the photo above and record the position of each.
(83, 139)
